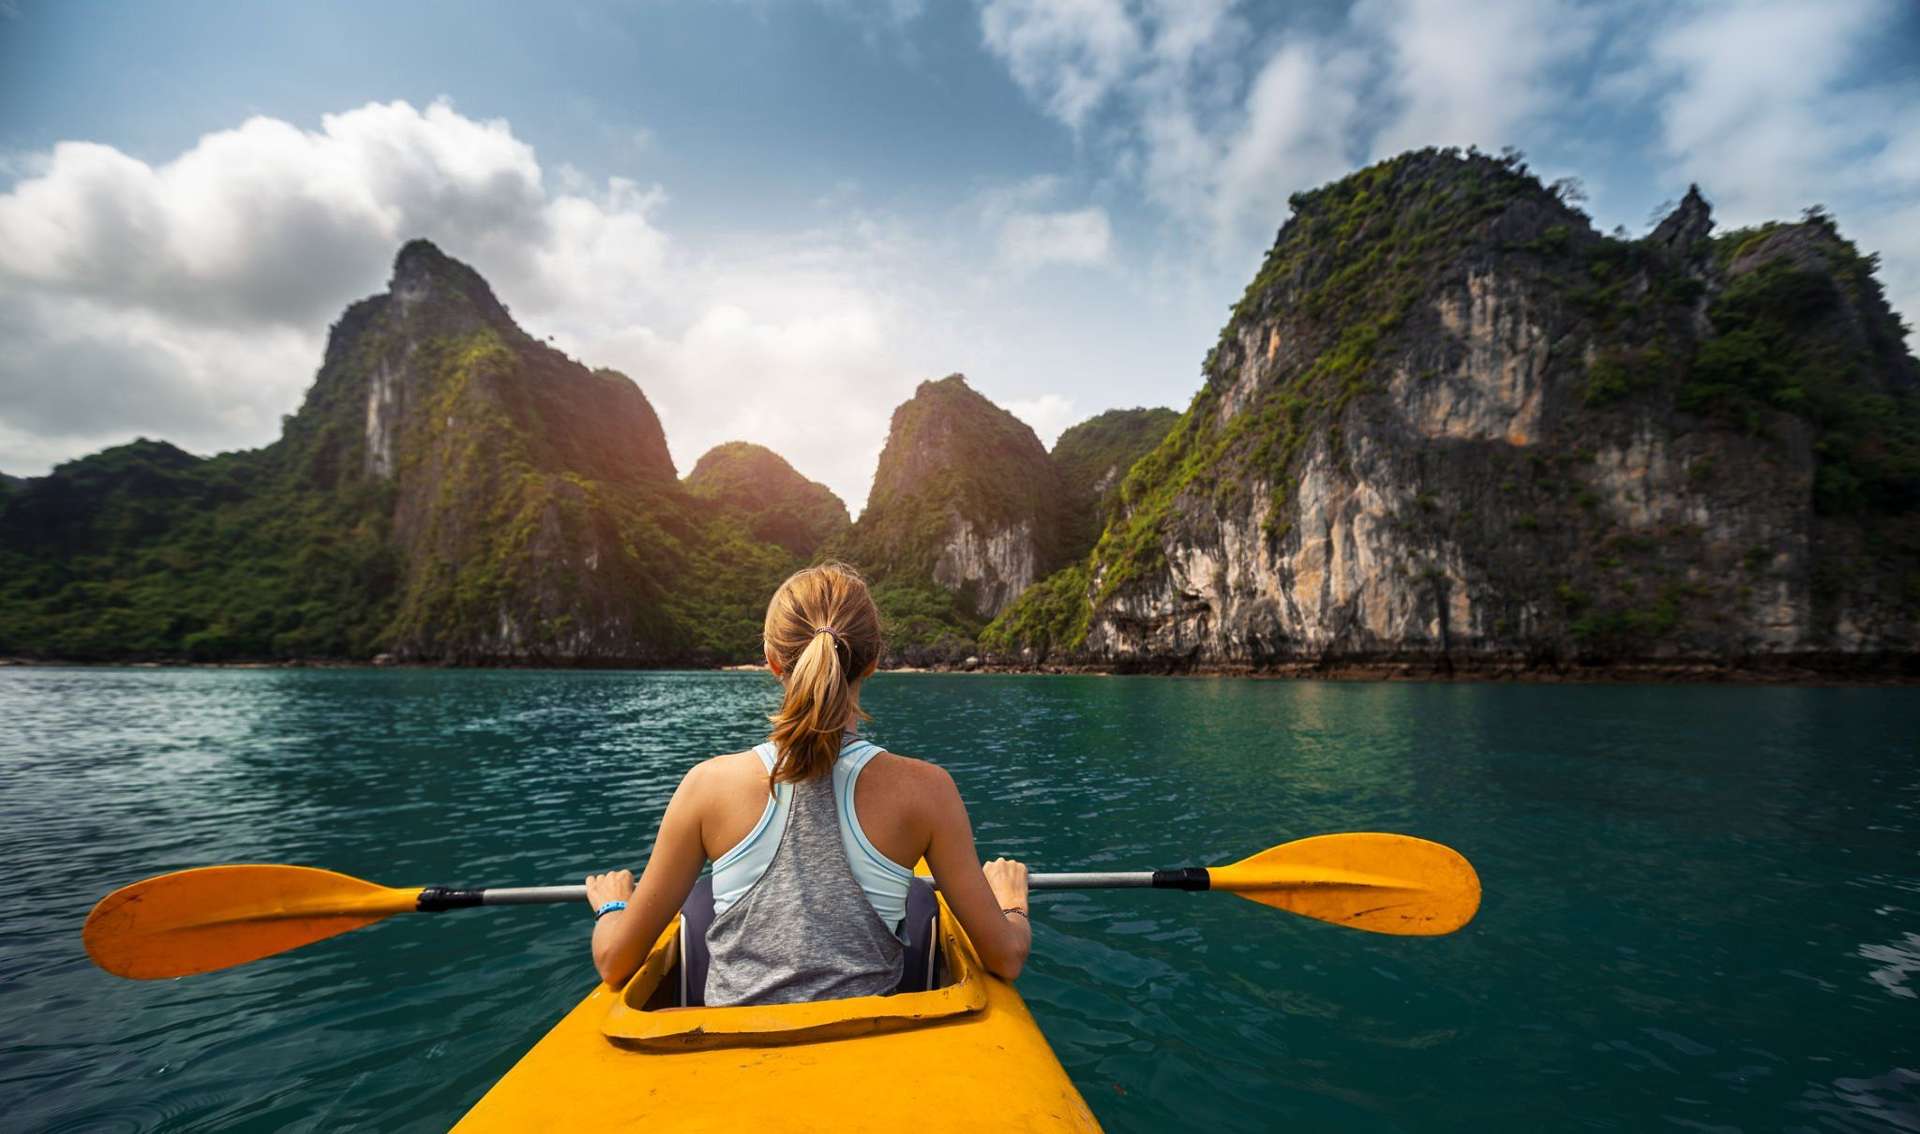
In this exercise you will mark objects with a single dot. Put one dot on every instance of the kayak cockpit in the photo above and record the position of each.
(630, 1059)
(651, 1011)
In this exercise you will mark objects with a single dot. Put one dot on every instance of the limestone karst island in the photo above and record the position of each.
(1448, 427)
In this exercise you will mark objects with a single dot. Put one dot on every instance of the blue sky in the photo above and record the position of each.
(778, 216)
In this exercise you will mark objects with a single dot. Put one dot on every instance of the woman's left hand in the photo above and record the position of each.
(613, 886)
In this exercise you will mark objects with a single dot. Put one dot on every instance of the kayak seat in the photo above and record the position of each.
(920, 972)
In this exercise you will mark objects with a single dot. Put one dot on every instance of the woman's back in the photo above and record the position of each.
(884, 880)
(804, 907)
(812, 835)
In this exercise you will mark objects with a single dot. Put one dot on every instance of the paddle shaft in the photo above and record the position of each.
(435, 899)
(215, 917)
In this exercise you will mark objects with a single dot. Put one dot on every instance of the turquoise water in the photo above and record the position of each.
(1702, 904)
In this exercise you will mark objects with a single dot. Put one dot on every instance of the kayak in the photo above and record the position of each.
(965, 1055)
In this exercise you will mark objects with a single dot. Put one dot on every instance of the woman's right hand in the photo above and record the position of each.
(1008, 879)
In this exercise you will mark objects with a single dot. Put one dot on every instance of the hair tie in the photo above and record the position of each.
(819, 630)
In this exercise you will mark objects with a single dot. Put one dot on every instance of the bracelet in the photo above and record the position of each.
(1021, 910)
(607, 908)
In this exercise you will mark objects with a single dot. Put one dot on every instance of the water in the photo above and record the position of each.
(1702, 904)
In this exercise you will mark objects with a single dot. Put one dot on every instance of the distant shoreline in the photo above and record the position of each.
(1901, 671)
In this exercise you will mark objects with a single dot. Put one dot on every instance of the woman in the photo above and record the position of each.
(813, 835)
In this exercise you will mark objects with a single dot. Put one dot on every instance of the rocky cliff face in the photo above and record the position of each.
(1449, 422)
(451, 490)
(966, 511)
(527, 489)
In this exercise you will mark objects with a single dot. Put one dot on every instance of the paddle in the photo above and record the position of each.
(216, 917)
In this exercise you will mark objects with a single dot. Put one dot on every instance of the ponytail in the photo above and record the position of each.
(824, 633)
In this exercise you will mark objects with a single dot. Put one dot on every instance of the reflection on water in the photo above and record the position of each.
(1897, 962)
(1702, 908)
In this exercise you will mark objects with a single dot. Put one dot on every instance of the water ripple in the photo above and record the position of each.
(1699, 907)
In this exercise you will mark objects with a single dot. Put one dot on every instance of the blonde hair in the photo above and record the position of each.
(824, 634)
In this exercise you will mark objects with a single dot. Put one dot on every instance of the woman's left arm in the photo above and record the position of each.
(621, 938)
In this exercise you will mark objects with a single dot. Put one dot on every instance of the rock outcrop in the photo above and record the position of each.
(777, 504)
(527, 489)
(1450, 423)
(451, 490)
(966, 512)
(1447, 425)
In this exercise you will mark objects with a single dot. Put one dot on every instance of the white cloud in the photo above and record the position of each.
(1296, 132)
(266, 223)
(1031, 240)
(1067, 53)
(1753, 99)
(1221, 135)
(1049, 415)
(1219, 153)
(1475, 76)
(78, 376)
(1186, 31)
(188, 300)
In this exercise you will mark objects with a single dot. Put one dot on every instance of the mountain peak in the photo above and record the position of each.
(778, 503)
(966, 505)
(422, 272)
(1687, 225)
(955, 383)
(944, 434)
(1450, 422)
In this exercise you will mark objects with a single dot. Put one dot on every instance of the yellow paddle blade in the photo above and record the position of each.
(197, 921)
(1377, 882)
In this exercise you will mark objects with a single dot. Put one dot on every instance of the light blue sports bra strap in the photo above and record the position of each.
(757, 847)
(853, 759)
(855, 754)
(884, 880)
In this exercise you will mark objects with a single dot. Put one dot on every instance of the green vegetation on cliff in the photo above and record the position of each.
(1094, 456)
(950, 453)
(146, 551)
(777, 503)
(1396, 308)
(958, 474)
(1784, 340)
(1342, 277)
(1445, 411)
(451, 490)
(1050, 616)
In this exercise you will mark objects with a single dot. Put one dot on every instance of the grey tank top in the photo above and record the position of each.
(806, 930)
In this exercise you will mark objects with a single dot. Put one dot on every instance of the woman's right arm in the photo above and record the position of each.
(980, 898)
(621, 938)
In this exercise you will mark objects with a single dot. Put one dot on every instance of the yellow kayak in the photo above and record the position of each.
(965, 1055)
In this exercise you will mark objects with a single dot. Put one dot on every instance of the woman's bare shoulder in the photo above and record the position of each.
(921, 775)
(725, 772)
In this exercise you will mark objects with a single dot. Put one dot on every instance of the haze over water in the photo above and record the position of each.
(1702, 904)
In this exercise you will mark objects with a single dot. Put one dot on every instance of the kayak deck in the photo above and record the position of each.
(965, 1055)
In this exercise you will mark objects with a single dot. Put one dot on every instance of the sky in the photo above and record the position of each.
(779, 216)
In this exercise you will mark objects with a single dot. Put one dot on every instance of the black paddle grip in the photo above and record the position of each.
(439, 899)
(1182, 878)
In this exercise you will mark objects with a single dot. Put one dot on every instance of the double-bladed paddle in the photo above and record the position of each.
(216, 917)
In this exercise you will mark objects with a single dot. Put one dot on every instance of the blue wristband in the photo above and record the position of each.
(607, 908)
